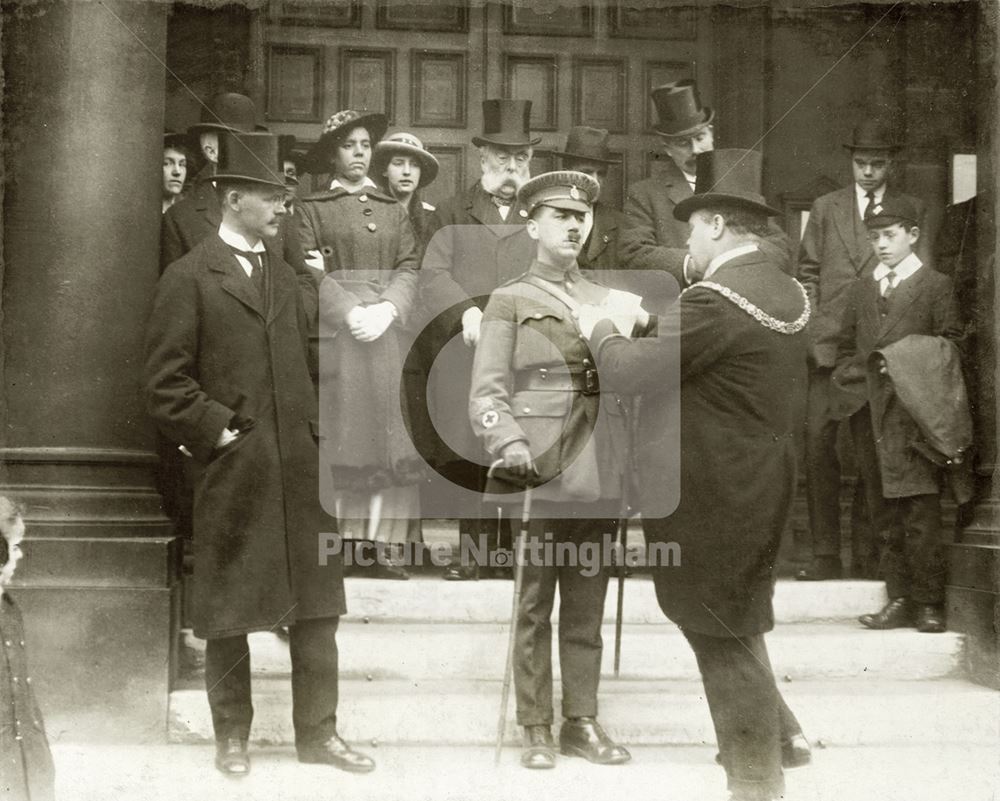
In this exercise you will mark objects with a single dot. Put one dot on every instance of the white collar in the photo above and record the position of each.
(862, 196)
(691, 179)
(728, 256)
(238, 241)
(367, 183)
(904, 269)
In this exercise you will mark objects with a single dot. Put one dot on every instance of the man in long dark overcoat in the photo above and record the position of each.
(227, 378)
(742, 374)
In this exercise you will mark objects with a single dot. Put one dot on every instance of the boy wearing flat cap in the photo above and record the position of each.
(536, 404)
(900, 297)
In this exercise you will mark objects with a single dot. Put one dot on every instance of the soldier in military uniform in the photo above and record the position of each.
(536, 404)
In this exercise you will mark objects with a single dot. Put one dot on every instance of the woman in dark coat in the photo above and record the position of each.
(26, 771)
(368, 251)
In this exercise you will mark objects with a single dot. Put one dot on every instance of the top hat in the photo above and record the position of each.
(177, 140)
(727, 177)
(563, 189)
(873, 135)
(679, 110)
(249, 157)
(409, 145)
(891, 210)
(228, 112)
(341, 123)
(587, 144)
(506, 123)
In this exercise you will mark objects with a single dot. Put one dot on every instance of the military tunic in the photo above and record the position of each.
(534, 380)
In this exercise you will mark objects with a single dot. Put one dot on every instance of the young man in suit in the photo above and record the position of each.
(740, 335)
(228, 378)
(900, 297)
(833, 253)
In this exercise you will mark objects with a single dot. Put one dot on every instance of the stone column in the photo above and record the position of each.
(974, 560)
(84, 120)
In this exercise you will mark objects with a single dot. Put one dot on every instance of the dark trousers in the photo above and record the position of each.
(581, 610)
(313, 646)
(747, 712)
(823, 479)
(913, 558)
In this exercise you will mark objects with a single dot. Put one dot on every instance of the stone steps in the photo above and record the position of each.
(418, 651)
(447, 712)
(428, 598)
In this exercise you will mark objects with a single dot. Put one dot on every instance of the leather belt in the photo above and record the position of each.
(584, 381)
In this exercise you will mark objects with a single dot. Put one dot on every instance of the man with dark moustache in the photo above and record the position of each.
(587, 151)
(227, 377)
(740, 331)
(537, 405)
(833, 254)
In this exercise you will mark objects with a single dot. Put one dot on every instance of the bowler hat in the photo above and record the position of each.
(562, 189)
(506, 123)
(891, 210)
(338, 125)
(587, 144)
(409, 145)
(249, 157)
(873, 135)
(679, 110)
(728, 177)
(228, 112)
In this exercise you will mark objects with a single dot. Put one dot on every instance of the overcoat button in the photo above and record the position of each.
(372, 226)
(8, 643)
(523, 213)
(538, 315)
(368, 212)
(527, 410)
(363, 198)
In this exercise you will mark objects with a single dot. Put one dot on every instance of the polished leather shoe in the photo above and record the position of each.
(930, 618)
(896, 614)
(334, 751)
(795, 752)
(393, 572)
(461, 573)
(539, 748)
(822, 568)
(584, 737)
(231, 757)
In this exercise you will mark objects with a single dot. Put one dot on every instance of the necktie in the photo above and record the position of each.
(257, 268)
(500, 202)
(890, 279)
(869, 204)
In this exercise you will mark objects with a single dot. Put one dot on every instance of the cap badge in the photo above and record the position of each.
(490, 419)
(574, 193)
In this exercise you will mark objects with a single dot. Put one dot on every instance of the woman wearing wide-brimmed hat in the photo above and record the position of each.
(365, 243)
(402, 167)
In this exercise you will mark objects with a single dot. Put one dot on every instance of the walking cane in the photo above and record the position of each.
(621, 538)
(518, 576)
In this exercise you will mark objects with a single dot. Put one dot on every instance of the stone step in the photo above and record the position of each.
(427, 598)
(449, 712)
(420, 651)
